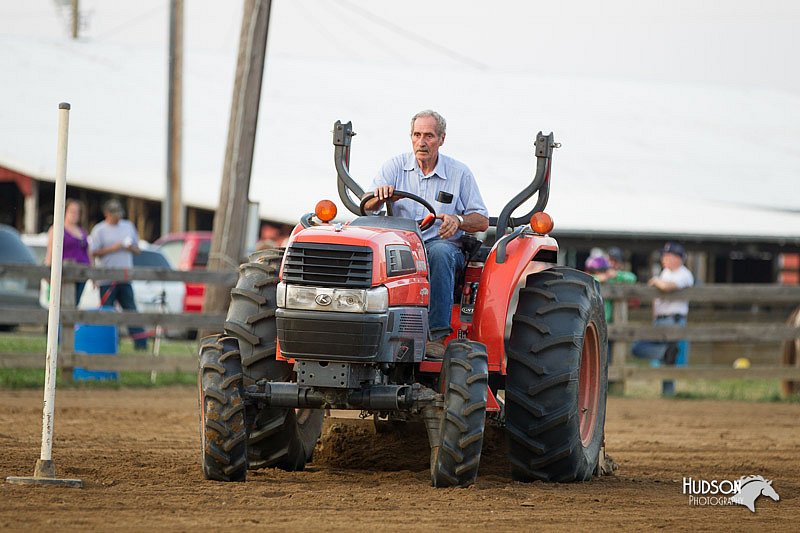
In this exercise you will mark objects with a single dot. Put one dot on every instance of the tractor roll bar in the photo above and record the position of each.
(541, 184)
(342, 136)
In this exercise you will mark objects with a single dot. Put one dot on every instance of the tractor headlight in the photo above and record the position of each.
(377, 300)
(280, 294)
(330, 299)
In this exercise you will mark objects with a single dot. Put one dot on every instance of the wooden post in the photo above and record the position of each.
(31, 203)
(191, 218)
(231, 215)
(75, 18)
(619, 316)
(172, 219)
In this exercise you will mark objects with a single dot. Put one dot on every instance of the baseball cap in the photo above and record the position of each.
(674, 248)
(615, 253)
(113, 206)
(597, 263)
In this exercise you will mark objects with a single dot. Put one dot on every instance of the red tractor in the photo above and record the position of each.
(339, 321)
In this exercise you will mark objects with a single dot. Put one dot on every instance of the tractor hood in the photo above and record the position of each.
(396, 254)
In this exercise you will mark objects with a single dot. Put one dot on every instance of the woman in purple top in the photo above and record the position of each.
(76, 242)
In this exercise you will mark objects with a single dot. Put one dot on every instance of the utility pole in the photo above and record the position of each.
(231, 215)
(76, 18)
(172, 207)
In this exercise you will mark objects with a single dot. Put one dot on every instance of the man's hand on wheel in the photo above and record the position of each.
(380, 195)
(385, 192)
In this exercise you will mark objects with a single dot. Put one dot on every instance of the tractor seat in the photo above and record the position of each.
(404, 224)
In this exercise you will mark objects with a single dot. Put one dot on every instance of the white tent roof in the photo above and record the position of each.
(672, 136)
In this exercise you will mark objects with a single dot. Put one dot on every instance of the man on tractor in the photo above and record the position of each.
(426, 172)
(339, 320)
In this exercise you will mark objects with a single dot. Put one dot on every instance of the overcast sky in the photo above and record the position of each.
(730, 42)
(702, 96)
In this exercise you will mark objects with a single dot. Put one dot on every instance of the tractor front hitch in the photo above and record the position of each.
(369, 398)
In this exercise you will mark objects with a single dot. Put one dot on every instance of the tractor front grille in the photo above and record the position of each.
(329, 335)
(328, 265)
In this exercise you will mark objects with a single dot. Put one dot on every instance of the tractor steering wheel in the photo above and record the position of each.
(424, 224)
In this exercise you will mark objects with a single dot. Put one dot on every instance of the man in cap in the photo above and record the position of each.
(674, 277)
(114, 241)
(615, 258)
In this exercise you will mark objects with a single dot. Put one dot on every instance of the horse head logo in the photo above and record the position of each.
(751, 488)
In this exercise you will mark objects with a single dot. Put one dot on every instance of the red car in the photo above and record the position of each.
(188, 251)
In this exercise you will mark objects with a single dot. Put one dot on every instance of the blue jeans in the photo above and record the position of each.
(445, 258)
(655, 350)
(123, 293)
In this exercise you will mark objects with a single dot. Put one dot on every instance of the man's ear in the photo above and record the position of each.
(441, 142)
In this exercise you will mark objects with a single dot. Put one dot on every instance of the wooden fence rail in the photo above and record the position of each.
(761, 293)
(70, 316)
(73, 272)
(621, 331)
(28, 316)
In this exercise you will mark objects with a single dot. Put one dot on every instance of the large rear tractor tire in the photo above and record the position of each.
(223, 450)
(464, 379)
(557, 378)
(282, 438)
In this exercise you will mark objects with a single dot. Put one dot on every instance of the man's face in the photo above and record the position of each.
(671, 261)
(425, 141)
(112, 217)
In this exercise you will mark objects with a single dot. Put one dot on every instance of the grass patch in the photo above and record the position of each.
(33, 378)
(751, 390)
(745, 390)
(748, 390)
(37, 343)
(33, 342)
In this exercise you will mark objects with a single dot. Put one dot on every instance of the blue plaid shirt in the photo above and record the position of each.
(403, 173)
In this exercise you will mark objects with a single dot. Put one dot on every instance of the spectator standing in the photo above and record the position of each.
(609, 270)
(76, 242)
(616, 268)
(114, 241)
(616, 273)
(674, 277)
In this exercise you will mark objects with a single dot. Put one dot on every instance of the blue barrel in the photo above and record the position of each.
(95, 339)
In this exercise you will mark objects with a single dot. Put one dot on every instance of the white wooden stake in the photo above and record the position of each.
(45, 471)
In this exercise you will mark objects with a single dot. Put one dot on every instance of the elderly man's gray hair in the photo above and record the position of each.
(441, 123)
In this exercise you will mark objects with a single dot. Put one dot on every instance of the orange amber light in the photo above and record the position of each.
(325, 210)
(541, 223)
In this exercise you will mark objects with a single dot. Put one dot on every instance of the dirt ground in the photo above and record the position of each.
(137, 452)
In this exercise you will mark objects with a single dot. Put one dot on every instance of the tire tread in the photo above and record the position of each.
(543, 372)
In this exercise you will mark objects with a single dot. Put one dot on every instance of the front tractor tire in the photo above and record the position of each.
(279, 437)
(557, 378)
(223, 451)
(456, 453)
